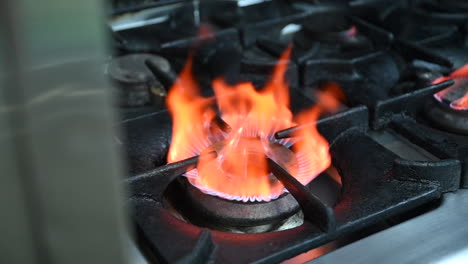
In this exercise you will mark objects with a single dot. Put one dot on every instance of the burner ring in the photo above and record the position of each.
(447, 118)
(213, 176)
(211, 211)
(191, 205)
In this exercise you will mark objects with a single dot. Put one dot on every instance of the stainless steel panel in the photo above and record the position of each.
(17, 238)
(63, 169)
(439, 236)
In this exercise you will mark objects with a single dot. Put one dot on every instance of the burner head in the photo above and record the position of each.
(136, 84)
(243, 168)
(441, 113)
(189, 204)
(232, 216)
(336, 30)
(454, 97)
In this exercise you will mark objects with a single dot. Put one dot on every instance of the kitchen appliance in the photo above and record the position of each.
(396, 141)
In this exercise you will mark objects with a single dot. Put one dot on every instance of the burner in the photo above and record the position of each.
(232, 216)
(190, 204)
(240, 171)
(336, 30)
(180, 212)
(319, 36)
(334, 47)
(136, 84)
(453, 96)
(249, 153)
(254, 20)
(450, 111)
(441, 114)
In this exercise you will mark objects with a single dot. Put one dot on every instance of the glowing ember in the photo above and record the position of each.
(351, 32)
(460, 76)
(240, 171)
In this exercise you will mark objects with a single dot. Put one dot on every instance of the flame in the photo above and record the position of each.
(460, 104)
(205, 32)
(330, 97)
(460, 76)
(459, 73)
(351, 32)
(240, 171)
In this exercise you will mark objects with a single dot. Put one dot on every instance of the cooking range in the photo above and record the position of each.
(258, 130)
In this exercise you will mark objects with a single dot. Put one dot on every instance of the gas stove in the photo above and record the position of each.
(256, 131)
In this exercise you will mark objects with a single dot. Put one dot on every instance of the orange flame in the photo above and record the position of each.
(459, 76)
(240, 170)
(459, 73)
(330, 97)
(460, 104)
(206, 32)
(351, 32)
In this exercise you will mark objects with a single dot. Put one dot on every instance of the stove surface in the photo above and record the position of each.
(435, 237)
(397, 138)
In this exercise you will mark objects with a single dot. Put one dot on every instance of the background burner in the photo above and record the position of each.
(431, 25)
(452, 94)
(135, 83)
(441, 113)
(337, 30)
(332, 46)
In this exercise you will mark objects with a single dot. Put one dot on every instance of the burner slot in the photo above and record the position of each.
(446, 118)
(401, 146)
(361, 161)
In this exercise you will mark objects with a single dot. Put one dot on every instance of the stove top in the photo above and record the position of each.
(396, 138)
